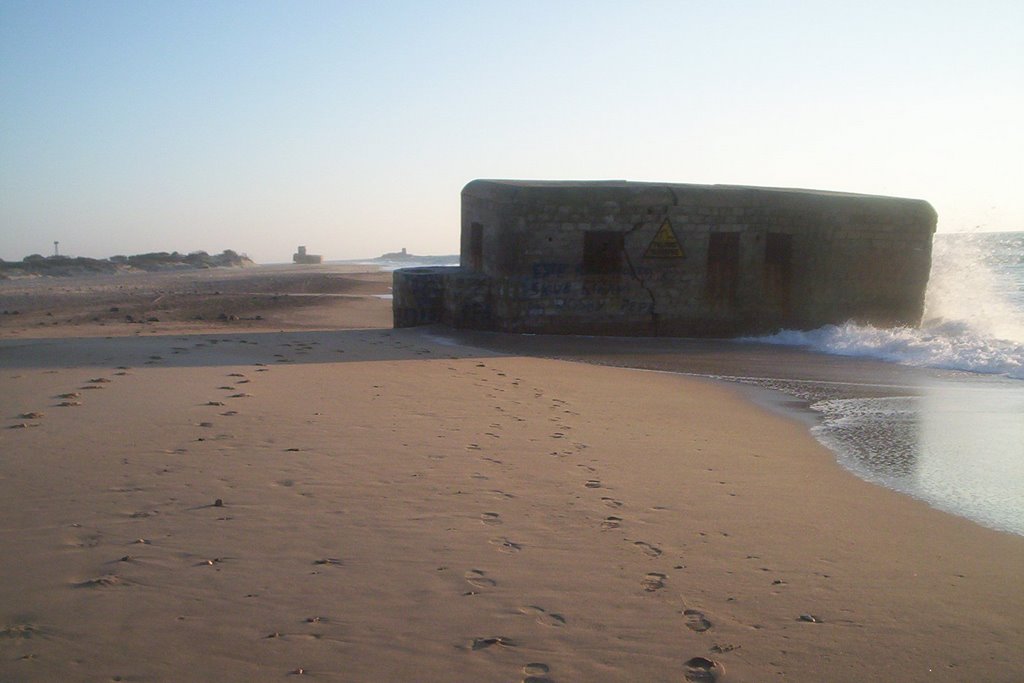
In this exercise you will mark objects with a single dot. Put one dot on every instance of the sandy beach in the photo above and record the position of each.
(228, 479)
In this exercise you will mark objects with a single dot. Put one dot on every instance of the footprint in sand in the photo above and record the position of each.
(479, 579)
(491, 518)
(536, 673)
(235, 374)
(99, 380)
(543, 616)
(702, 670)
(610, 523)
(65, 404)
(593, 484)
(696, 620)
(653, 581)
(611, 502)
(105, 581)
(481, 643)
(20, 631)
(30, 415)
(648, 549)
(70, 394)
(505, 545)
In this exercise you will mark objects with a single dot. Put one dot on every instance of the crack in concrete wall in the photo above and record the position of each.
(636, 276)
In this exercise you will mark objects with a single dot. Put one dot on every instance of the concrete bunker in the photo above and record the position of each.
(627, 258)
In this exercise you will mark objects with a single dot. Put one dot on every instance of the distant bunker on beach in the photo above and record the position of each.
(630, 258)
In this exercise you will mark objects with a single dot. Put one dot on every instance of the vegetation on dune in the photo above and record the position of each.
(37, 264)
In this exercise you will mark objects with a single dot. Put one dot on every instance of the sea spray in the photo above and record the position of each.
(974, 313)
(977, 283)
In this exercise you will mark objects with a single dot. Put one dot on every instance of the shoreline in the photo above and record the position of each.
(397, 506)
(810, 388)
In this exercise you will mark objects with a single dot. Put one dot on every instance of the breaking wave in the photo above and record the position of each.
(974, 313)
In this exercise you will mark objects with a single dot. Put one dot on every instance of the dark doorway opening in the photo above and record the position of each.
(778, 269)
(602, 252)
(723, 267)
(476, 246)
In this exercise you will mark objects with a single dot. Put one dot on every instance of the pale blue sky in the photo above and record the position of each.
(351, 127)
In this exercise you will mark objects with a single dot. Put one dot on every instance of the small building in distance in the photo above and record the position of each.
(301, 256)
(627, 258)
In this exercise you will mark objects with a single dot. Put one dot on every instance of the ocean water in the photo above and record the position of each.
(954, 435)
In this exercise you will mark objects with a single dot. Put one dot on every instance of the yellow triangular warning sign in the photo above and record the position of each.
(665, 244)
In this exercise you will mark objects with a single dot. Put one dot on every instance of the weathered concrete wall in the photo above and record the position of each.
(419, 295)
(641, 258)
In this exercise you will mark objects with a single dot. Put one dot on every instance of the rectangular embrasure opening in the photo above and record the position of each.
(723, 267)
(602, 252)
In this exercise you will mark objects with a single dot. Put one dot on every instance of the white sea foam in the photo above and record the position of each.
(974, 314)
(948, 345)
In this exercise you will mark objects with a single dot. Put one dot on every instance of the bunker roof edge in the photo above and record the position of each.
(653, 193)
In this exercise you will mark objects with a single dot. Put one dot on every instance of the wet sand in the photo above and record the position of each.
(239, 500)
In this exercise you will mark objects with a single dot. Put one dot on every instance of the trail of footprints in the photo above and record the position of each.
(110, 578)
(695, 669)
